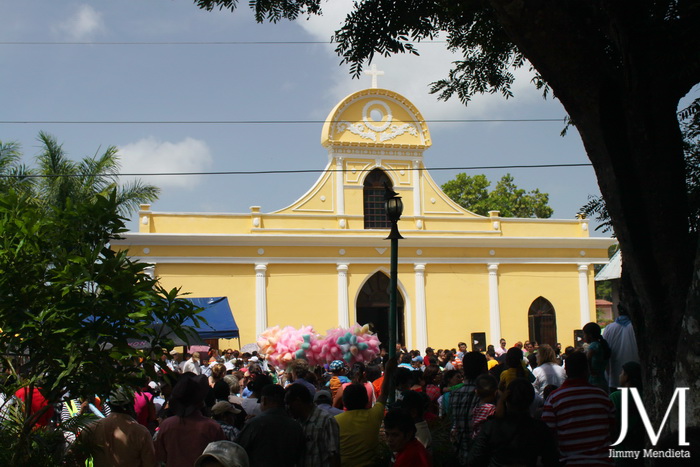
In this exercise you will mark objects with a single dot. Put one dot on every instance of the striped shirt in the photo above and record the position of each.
(580, 415)
(479, 415)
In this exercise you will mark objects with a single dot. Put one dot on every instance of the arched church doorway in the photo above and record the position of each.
(373, 308)
(542, 322)
(373, 200)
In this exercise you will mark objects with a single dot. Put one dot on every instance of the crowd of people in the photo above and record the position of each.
(528, 404)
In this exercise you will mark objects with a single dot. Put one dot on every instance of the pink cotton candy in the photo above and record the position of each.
(281, 346)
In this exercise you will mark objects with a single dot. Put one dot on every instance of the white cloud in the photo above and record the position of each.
(83, 24)
(149, 155)
(411, 75)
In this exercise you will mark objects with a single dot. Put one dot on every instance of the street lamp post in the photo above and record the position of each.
(394, 209)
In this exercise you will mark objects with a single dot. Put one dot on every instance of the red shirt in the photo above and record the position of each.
(413, 455)
(38, 401)
(580, 415)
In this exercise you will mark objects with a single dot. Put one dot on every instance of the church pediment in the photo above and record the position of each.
(375, 117)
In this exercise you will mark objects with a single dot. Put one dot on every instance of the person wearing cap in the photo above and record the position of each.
(321, 433)
(223, 413)
(174, 361)
(181, 439)
(272, 438)
(223, 454)
(417, 363)
(338, 370)
(119, 440)
(323, 401)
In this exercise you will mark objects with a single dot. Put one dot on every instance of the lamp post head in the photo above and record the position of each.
(394, 209)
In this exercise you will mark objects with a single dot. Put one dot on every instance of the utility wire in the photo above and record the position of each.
(298, 171)
(186, 42)
(258, 122)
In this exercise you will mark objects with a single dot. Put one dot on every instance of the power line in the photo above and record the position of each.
(298, 171)
(184, 42)
(258, 122)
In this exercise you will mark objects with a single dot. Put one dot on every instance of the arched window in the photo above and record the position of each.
(373, 195)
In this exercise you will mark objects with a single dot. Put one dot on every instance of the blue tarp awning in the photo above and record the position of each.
(220, 321)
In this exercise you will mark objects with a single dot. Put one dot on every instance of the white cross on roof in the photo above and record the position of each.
(373, 72)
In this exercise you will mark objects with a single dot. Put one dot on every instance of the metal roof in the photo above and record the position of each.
(612, 270)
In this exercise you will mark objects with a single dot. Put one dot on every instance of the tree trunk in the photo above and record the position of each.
(615, 92)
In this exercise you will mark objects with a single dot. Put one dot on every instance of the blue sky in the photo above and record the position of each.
(212, 82)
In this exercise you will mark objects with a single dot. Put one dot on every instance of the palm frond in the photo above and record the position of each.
(134, 193)
(59, 173)
(10, 155)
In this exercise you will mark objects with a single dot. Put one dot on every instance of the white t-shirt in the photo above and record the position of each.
(546, 374)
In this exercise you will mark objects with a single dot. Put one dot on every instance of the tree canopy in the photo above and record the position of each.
(71, 304)
(620, 68)
(471, 192)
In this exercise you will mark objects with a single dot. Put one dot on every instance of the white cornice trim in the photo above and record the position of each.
(422, 233)
(422, 241)
(364, 260)
(427, 215)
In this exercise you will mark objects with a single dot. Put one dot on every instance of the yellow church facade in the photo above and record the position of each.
(324, 261)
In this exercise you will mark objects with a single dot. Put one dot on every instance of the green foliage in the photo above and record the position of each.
(267, 10)
(13, 174)
(71, 303)
(42, 446)
(603, 290)
(595, 209)
(471, 192)
(63, 178)
(387, 27)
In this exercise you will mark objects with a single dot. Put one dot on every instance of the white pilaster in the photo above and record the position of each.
(343, 311)
(260, 298)
(339, 185)
(494, 306)
(421, 312)
(584, 303)
(416, 192)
